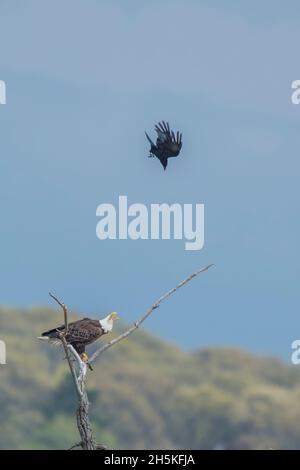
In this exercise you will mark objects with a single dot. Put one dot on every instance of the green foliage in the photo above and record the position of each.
(144, 393)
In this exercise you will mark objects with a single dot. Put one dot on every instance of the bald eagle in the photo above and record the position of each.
(167, 144)
(81, 332)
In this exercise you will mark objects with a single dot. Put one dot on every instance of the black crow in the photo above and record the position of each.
(167, 144)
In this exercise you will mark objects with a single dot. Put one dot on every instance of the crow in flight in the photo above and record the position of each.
(167, 144)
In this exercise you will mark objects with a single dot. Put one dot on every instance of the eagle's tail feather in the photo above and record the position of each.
(49, 339)
(53, 333)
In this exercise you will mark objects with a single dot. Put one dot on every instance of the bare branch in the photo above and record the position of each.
(62, 337)
(65, 310)
(76, 381)
(79, 444)
(82, 366)
(137, 323)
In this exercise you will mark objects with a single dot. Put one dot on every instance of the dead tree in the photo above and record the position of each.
(78, 368)
(78, 375)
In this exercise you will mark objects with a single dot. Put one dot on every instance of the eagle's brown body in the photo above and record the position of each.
(80, 333)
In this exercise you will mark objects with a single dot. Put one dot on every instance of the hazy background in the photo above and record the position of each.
(84, 80)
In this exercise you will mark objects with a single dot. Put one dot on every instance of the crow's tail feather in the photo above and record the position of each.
(153, 146)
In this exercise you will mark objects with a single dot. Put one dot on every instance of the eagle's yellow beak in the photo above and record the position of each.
(114, 316)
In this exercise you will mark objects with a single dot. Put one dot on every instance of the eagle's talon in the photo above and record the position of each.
(84, 357)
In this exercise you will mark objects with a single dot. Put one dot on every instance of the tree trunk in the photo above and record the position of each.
(84, 425)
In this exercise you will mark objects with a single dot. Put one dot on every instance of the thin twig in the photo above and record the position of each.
(137, 323)
(65, 310)
(79, 444)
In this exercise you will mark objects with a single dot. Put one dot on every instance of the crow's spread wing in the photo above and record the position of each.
(169, 143)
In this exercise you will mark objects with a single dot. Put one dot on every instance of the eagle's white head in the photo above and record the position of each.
(107, 323)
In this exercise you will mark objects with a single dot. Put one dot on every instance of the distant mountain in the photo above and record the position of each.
(144, 393)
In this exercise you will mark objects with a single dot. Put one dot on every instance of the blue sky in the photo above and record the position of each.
(84, 80)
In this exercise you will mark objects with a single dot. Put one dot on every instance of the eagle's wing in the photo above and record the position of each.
(84, 331)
